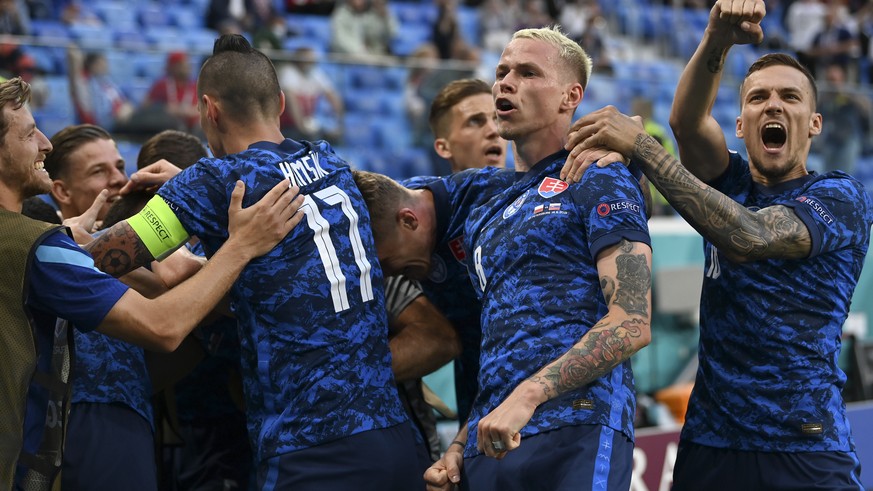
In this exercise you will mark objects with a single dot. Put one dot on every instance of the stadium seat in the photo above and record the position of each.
(90, 37)
(153, 15)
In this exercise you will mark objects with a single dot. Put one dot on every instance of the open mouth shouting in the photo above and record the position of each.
(774, 136)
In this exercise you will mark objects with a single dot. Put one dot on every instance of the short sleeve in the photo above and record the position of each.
(612, 205)
(837, 212)
(400, 291)
(65, 282)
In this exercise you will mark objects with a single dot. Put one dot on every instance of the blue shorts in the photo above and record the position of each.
(375, 460)
(702, 467)
(570, 458)
(108, 447)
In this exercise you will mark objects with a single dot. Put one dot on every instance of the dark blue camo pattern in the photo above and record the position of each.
(770, 330)
(311, 374)
(448, 285)
(538, 248)
(107, 370)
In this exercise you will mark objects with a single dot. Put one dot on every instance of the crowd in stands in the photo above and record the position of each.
(347, 62)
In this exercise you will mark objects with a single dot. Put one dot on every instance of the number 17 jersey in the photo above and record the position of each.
(311, 312)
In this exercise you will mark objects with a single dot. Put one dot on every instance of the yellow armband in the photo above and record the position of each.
(158, 228)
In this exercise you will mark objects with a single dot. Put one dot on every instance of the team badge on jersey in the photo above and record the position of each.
(438, 271)
(515, 206)
(551, 187)
(818, 208)
(456, 245)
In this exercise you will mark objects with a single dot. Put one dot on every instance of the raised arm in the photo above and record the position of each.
(161, 324)
(702, 146)
(625, 271)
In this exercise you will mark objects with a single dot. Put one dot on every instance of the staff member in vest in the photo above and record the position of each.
(47, 282)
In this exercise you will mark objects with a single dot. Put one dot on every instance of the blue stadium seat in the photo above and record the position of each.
(90, 37)
(314, 27)
(150, 65)
(468, 24)
(116, 15)
(120, 65)
(132, 39)
(199, 39)
(49, 59)
(409, 37)
(185, 16)
(50, 30)
(166, 38)
(153, 15)
(136, 89)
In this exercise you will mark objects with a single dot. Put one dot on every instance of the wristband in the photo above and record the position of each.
(158, 228)
(458, 442)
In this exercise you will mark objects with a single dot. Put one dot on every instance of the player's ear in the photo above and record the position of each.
(60, 193)
(407, 219)
(815, 123)
(211, 105)
(739, 130)
(441, 145)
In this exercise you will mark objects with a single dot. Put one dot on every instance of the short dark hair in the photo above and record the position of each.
(127, 206)
(384, 197)
(66, 141)
(16, 93)
(448, 97)
(37, 208)
(784, 59)
(180, 148)
(242, 78)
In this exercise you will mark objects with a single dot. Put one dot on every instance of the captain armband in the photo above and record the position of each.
(158, 228)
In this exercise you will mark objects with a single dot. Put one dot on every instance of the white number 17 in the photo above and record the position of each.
(333, 196)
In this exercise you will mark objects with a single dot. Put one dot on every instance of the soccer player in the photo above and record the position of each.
(564, 276)
(320, 395)
(784, 249)
(47, 283)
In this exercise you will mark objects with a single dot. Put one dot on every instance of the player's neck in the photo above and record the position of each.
(239, 138)
(532, 148)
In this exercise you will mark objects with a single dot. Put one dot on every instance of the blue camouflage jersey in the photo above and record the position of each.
(311, 312)
(534, 249)
(448, 285)
(107, 370)
(770, 330)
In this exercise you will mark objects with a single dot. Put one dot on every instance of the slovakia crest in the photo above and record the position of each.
(551, 187)
(515, 206)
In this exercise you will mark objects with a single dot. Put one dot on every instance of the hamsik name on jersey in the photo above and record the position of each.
(303, 171)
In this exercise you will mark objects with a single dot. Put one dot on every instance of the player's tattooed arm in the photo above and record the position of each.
(740, 234)
(625, 278)
(119, 250)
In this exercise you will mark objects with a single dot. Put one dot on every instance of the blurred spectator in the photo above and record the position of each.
(171, 102)
(445, 33)
(533, 15)
(271, 35)
(15, 62)
(574, 17)
(96, 98)
(73, 13)
(304, 85)
(594, 41)
(422, 62)
(14, 18)
(847, 114)
(833, 43)
(314, 7)
(363, 28)
(803, 20)
(498, 19)
(238, 15)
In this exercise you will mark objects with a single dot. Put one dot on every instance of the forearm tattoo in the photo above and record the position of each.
(715, 60)
(772, 232)
(634, 280)
(119, 251)
(602, 348)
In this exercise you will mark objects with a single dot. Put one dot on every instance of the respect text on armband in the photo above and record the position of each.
(156, 224)
(303, 171)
